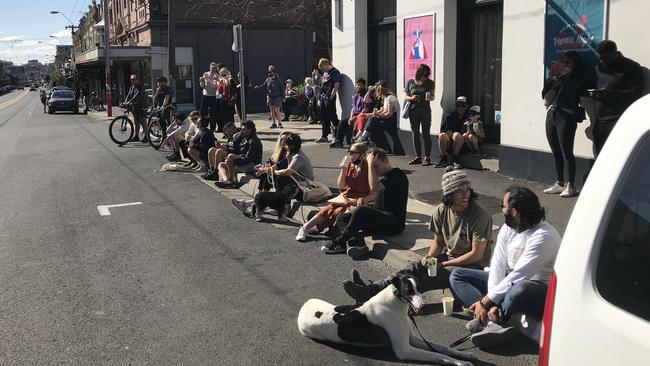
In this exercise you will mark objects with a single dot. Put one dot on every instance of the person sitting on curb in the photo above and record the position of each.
(384, 120)
(218, 154)
(520, 269)
(461, 238)
(286, 188)
(451, 138)
(250, 154)
(278, 159)
(352, 182)
(200, 143)
(344, 130)
(473, 132)
(176, 133)
(386, 216)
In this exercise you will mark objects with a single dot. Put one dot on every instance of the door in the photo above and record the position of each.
(382, 42)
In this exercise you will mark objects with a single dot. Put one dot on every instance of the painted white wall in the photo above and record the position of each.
(445, 57)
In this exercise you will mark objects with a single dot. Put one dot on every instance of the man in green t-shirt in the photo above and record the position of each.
(461, 238)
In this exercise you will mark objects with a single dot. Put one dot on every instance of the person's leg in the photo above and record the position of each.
(473, 141)
(376, 127)
(145, 124)
(327, 120)
(393, 131)
(195, 154)
(457, 143)
(212, 156)
(224, 175)
(415, 120)
(425, 121)
(232, 175)
(554, 143)
(342, 131)
(526, 297)
(469, 285)
(367, 219)
(444, 143)
(566, 133)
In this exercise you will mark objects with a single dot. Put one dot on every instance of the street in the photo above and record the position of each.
(182, 278)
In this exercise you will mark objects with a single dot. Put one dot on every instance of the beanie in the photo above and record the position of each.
(452, 180)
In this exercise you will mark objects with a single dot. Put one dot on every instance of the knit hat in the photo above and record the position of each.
(453, 180)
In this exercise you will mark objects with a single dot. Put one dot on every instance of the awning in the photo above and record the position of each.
(96, 56)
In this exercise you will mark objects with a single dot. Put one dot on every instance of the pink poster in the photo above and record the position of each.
(418, 45)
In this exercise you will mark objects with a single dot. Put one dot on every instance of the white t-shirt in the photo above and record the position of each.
(528, 255)
(209, 88)
(388, 100)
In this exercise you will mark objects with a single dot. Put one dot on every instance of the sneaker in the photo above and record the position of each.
(554, 189)
(302, 234)
(309, 119)
(211, 176)
(335, 247)
(474, 326)
(360, 293)
(322, 140)
(135, 139)
(336, 144)
(313, 122)
(358, 251)
(442, 162)
(494, 335)
(356, 278)
(426, 161)
(173, 157)
(415, 161)
(280, 125)
(274, 126)
(569, 191)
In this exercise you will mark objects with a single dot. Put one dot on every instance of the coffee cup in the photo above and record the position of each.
(448, 305)
(432, 267)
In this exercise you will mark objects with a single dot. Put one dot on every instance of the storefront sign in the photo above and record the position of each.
(418, 45)
(573, 25)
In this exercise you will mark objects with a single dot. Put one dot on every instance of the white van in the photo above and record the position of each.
(598, 304)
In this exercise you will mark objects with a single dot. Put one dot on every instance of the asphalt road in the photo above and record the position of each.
(182, 278)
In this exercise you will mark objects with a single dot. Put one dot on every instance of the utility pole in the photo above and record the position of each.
(238, 43)
(109, 94)
(171, 47)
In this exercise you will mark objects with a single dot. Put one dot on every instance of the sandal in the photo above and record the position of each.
(426, 161)
(417, 160)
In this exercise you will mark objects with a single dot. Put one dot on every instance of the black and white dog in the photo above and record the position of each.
(380, 321)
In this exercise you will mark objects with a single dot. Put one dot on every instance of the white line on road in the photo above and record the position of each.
(30, 114)
(103, 209)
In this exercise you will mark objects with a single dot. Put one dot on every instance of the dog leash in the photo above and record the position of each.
(421, 336)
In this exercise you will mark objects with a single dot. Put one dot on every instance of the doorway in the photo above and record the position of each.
(382, 42)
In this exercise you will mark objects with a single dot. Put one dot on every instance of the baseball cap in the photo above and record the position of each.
(461, 99)
(475, 108)
(271, 68)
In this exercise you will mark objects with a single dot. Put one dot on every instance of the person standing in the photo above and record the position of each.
(138, 101)
(274, 94)
(209, 82)
(224, 99)
(330, 84)
(420, 92)
(567, 83)
(619, 84)
(43, 96)
(85, 93)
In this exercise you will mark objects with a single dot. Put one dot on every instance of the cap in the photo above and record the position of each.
(453, 180)
(475, 108)
(213, 64)
(271, 68)
(461, 99)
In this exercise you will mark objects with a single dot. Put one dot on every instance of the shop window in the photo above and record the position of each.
(184, 84)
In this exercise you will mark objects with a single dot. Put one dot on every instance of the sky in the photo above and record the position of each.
(23, 23)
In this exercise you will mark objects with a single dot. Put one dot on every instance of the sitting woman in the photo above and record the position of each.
(370, 102)
(290, 99)
(286, 188)
(355, 188)
(199, 145)
(473, 131)
(278, 158)
(385, 120)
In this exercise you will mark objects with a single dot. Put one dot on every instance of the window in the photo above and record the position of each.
(338, 14)
(623, 272)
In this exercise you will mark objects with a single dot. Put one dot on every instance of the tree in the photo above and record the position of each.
(57, 77)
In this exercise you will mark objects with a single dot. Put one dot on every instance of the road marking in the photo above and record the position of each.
(30, 114)
(103, 209)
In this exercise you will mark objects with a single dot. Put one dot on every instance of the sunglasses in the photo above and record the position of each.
(461, 105)
(353, 152)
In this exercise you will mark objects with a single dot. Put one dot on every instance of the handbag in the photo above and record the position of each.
(312, 191)
(406, 106)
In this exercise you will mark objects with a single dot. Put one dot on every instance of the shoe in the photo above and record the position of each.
(360, 293)
(223, 185)
(417, 160)
(201, 168)
(145, 140)
(356, 278)
(358, 251)
(280, 125)
(208, 172)
(569, 191)
(309, 120)
(555, 189)
(135, 139)
(302, 234)
(442, 162)
(174, 157)
(313, 122)
(494, 335)
(274, 126)
(457, 166)
(322, 140)
(336, 144)
(335, 247)
(193, 165)
(211, 176)
(426, 161)
(474, 326)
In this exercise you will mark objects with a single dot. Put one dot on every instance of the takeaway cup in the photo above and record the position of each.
(448, 305)
(432, 267)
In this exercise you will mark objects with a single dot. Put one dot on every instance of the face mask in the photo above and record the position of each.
(510, 221)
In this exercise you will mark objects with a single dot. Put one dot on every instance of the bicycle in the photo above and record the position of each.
(122, 129)
(158, 119)
(95, 103)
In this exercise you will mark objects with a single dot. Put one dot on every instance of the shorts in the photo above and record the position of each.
(248, 168)
(274, 101)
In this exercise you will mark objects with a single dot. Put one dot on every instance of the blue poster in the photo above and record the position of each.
(573, 25)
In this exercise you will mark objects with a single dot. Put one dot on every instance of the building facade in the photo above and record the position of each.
(495, 52)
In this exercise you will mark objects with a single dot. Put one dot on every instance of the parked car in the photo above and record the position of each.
(62, 100)
(598, 304)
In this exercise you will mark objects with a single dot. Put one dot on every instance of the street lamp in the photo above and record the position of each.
(74, 61)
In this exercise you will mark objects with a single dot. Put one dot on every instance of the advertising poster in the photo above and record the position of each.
(573, 25)
(418, 45)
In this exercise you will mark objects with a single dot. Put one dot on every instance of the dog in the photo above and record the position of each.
(381, 321)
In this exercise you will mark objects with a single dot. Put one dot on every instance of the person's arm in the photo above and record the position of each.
(480, 131)
(341, 183)
(437, 245)
(387, 112)
(373, 178)
(407, 90)
(368, 97)
(335, 90)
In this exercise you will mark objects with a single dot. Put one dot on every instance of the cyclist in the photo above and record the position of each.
(162, 97)
(137, 99)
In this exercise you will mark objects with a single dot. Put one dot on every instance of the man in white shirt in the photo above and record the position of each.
(520, 268)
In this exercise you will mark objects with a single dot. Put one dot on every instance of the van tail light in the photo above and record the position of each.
(544, 346)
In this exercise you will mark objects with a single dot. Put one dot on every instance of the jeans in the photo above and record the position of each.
(369, 220)
(344, 132)
(328, 117)
(209, 109)
(601, 131)
(420, 118)
(376, 127)
(526, 296)
(561, 133)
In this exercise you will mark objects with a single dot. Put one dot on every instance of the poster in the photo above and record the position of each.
(419, 47)
(573, 25)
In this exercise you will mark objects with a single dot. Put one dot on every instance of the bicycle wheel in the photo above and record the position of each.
(156, 132)
(121, 130)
